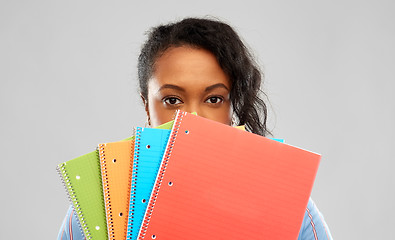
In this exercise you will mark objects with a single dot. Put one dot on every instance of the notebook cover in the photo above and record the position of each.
(149, 148)
(216, 182)
(116, 161)
(145, 169)
(81, 177)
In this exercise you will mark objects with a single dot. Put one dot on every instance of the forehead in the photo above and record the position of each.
(189, 68)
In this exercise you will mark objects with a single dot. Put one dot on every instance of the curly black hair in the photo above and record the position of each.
(232, 55)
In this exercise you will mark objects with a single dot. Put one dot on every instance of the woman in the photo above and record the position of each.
(201, 65)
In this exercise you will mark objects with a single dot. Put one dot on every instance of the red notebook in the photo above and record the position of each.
(217, 182)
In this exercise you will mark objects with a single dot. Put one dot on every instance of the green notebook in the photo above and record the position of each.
(82, 178)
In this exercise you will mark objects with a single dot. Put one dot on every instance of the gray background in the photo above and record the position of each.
(329, 77)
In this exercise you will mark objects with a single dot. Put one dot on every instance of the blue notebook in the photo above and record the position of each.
(150, 145)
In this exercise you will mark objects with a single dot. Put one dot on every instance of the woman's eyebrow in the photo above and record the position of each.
(218, 85)
(171, 86)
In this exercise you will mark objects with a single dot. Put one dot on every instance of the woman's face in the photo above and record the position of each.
(189, 79)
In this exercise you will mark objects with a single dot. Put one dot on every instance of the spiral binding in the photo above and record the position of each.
(131, 172)
(162, 170)
(106, 190)
(136, 154)
(73, 199)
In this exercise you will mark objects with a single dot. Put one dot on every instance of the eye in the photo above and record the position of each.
(172, 100)
(214, 100)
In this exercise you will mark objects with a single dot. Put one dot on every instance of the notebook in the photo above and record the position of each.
(116, 161)
(149, 148)
(81, 177)
(216, 182)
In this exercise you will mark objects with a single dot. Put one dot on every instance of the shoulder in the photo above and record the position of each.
(313, 226)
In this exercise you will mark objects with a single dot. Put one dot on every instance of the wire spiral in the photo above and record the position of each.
(162, 170)
(65, 178)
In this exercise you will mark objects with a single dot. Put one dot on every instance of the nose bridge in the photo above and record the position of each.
(193, 106)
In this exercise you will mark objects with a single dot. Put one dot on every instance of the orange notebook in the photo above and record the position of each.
(116, 161)
(216, 182)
